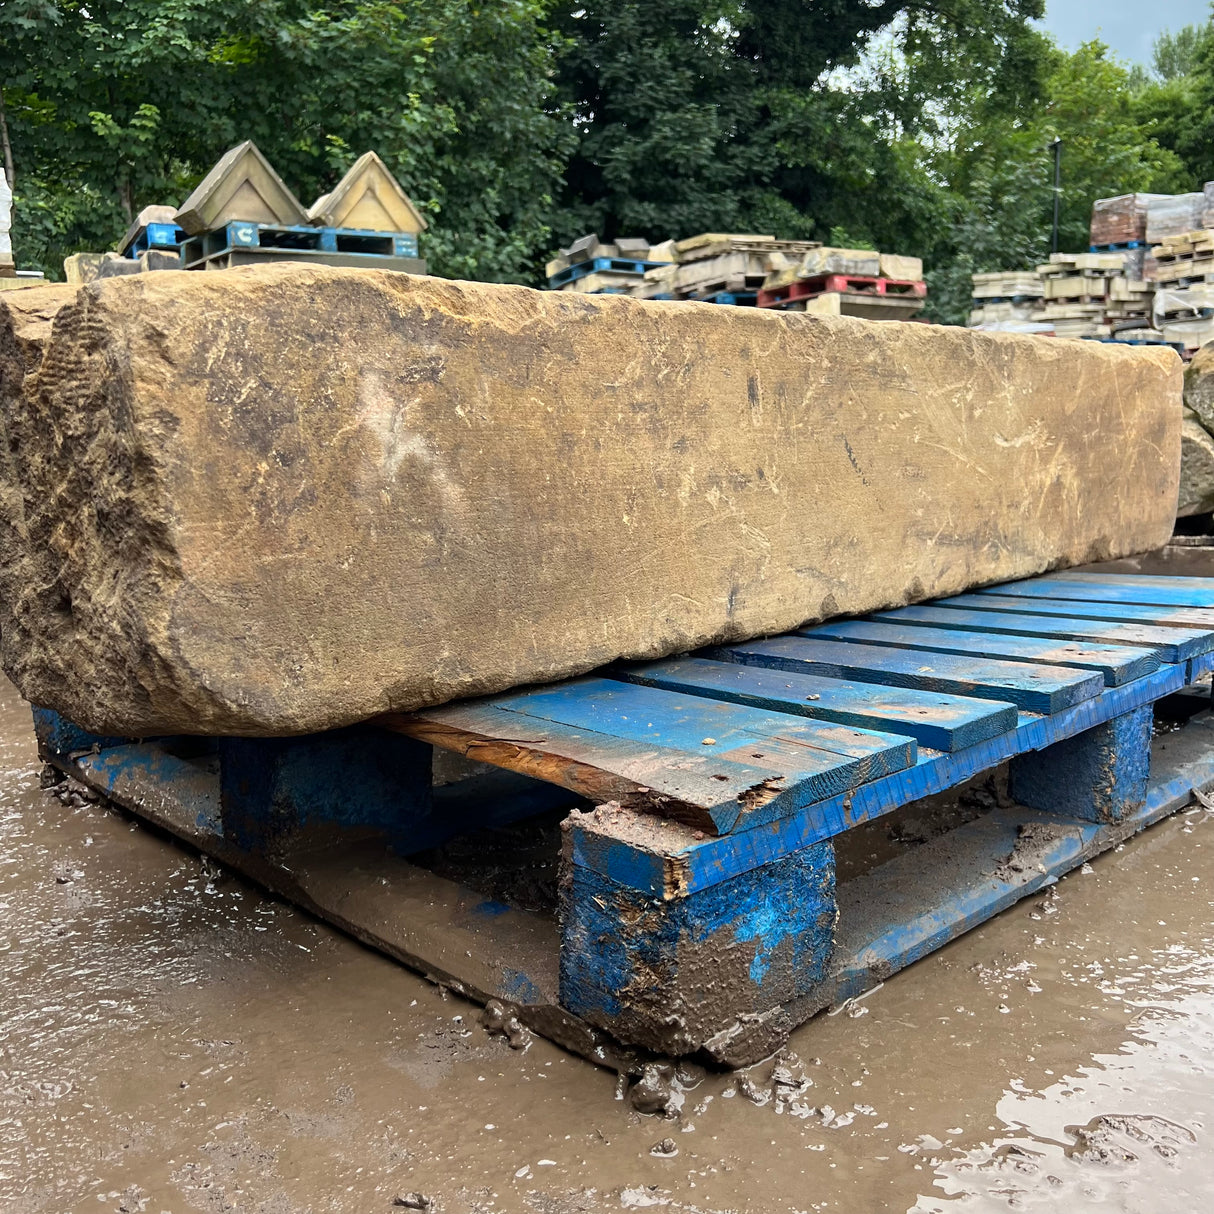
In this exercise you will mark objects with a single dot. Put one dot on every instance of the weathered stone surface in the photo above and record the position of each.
(283, 499)
(1196, 468)
(1199, 386)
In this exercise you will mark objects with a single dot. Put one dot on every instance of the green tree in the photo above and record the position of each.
(118, 103)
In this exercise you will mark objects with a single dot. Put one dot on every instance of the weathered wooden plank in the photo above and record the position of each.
(1041, 688)
(705, 791)
(1116, 663)
(1170, 644)
(945, 722)
(1131, 613)
(295, 452)
(691, 723)
(1162, 592)
(685, 864)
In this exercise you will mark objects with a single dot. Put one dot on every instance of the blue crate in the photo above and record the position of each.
(165, 236)
(600, 265)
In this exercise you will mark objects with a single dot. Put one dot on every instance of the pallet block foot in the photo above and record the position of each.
(1100, 775)
(669, 974)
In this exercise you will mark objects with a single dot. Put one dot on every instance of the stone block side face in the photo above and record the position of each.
(230, 483)
(351, 780)
(1097, 776)
(668, 975)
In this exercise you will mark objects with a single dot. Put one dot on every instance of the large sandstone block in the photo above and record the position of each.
(284, 499)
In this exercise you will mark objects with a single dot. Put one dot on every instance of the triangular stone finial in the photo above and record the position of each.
(368, 197)
(241, 187)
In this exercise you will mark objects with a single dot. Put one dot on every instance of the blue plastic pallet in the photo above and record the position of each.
(1118, 248)
(722, 780)
(599, 265)
(166, 236)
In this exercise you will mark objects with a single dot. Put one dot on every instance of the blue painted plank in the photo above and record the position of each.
(819, 756)
(686, 863)
(1032, 688)
(1116, 663)
(1169, 644)
(945, 722)
(705, 789)
(1130, 613)
(1163, 592)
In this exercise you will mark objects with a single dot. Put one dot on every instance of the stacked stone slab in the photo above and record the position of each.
(278, 500)
(1197, 436)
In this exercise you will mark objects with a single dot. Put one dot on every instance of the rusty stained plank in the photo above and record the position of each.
(702, 762)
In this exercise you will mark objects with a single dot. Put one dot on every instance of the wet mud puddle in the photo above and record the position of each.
(173, 1040)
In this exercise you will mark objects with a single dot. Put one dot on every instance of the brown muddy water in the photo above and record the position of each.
(173, 1040)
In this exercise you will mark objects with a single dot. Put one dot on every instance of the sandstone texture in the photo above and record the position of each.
(1197, 442)
(1196, 468)
(283, 498)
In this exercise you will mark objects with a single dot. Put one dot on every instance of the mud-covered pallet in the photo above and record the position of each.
(699, 906)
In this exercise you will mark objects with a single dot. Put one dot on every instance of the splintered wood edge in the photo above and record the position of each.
(525, 757)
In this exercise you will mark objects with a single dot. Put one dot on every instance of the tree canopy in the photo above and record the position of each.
(918, 126)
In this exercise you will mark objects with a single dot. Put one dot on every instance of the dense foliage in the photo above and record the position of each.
(920, 126)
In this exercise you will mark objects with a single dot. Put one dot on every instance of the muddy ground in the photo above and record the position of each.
(173, 1040)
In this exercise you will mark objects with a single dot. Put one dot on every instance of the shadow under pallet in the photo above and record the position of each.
(685, 812)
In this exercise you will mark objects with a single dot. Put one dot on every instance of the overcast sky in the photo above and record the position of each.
(1128, 26)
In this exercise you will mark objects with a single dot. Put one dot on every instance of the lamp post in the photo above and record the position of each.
(1056, 148)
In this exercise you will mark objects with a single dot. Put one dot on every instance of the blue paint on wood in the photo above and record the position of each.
(1045, 689)
(1200, 667)
(360, 777)
(1130, 613)
(914, 905)
(125, 772)
(1098, 776)
(1161, 592)
(816, 758)
(1168, 644)
(943, 722)
(58, 736)
(692, 864)
(1116, 663)
(670, 973)
(519, 988)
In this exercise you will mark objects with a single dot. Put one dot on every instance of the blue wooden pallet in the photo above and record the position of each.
(598, 265)
(722, 780)
(1117, 248)
(350, 241)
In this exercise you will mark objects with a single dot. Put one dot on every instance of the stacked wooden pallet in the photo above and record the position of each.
(1006, 301)
(590, 266)
(1182, 271)
(848, 282)
(1089, 295)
